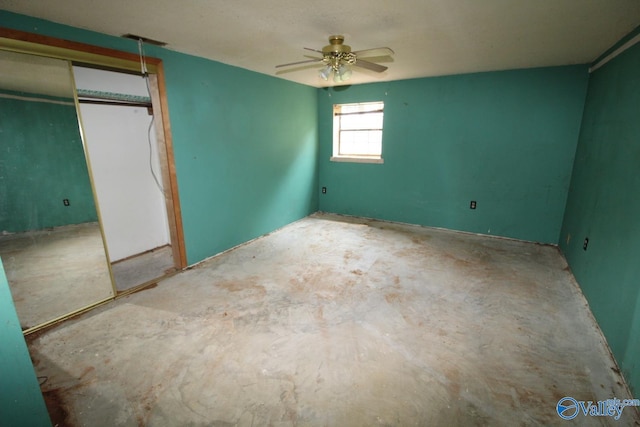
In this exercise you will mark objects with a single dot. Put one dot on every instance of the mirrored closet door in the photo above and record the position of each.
(51, 241)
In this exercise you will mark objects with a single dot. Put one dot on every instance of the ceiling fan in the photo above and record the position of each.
(338, 58)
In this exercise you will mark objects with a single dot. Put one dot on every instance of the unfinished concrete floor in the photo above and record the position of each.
(337, 321)
(143, 268)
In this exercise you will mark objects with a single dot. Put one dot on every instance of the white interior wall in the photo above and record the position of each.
(132, 207)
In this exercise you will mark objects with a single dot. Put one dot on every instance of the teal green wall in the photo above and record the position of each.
(246, 152)
(21, 402)
(245, 144)
(41, 163)
(603, 205)
(505, 139)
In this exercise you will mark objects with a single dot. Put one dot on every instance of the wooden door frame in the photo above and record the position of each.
(85, 54)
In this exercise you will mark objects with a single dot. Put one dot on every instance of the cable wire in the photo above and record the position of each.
(155, 178)
(145, 76)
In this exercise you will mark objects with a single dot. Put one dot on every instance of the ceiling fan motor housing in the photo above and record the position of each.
(337, 52)
(336, 45)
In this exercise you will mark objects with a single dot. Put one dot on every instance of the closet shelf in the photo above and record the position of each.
(111, 98)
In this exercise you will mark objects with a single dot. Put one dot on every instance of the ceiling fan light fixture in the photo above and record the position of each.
(325, 72)
(345, 72)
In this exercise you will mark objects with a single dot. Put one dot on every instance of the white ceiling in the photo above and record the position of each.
(429, 37)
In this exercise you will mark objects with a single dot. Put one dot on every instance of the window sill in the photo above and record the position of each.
(351, 159)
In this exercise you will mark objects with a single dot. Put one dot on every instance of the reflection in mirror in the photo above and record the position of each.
(50, 240)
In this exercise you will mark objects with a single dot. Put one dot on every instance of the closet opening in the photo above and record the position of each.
(124, 138)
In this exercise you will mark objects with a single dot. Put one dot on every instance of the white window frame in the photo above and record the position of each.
(378, 106)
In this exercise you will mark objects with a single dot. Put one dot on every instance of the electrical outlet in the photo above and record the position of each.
(585, 244)
(65, 202)
(472, 205)
(324, 190)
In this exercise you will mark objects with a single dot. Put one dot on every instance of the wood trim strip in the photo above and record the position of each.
(181, 255)
(17, 40)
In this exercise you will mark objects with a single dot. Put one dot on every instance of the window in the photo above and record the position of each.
(357, 132)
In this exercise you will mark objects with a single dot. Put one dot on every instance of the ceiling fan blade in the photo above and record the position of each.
(308, 61)
(370, 65)
(312, 50)
(378, 51)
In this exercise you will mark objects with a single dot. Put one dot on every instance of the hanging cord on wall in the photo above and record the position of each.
(145, 76)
